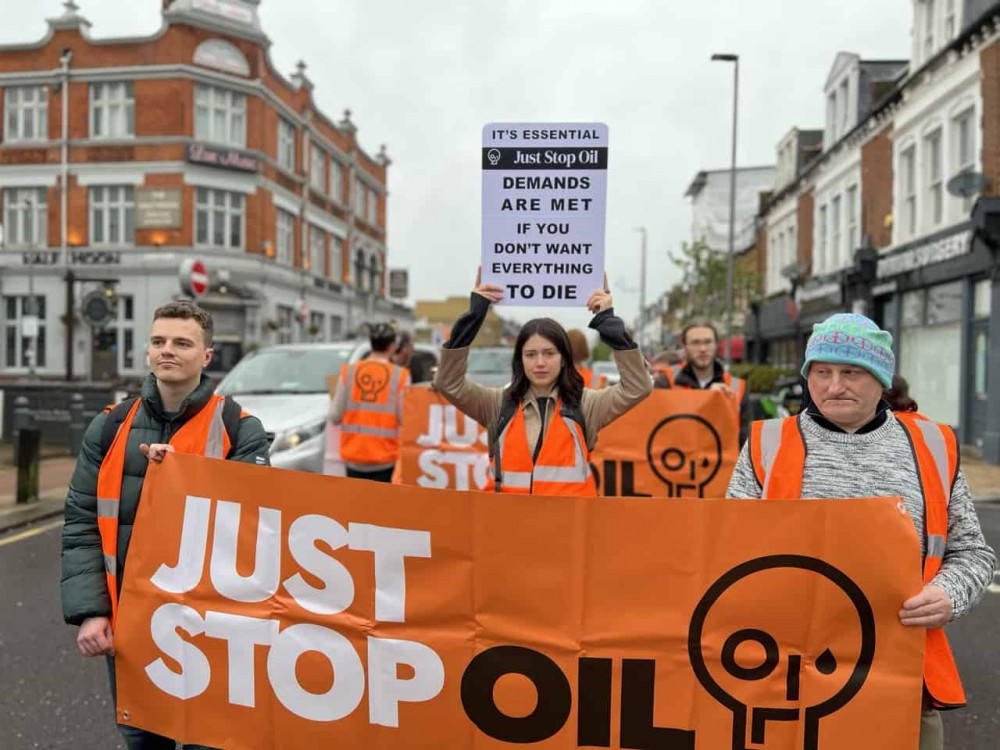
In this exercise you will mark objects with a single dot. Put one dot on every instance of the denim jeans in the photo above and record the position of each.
(140, 739)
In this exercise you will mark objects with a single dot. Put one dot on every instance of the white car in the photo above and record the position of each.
(285, 387)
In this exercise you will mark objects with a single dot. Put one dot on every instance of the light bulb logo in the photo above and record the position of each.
(493, 156)
(371, 379)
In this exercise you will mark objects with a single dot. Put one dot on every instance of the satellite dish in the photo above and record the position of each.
(967, 184)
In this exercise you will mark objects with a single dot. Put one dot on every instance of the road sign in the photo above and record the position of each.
(194, 277)
(399, 283)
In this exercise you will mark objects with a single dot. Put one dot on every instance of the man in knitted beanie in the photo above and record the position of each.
(848, 363)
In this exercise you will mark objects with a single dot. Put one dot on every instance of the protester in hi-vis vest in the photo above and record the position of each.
(543, 425)
(849, 443)
(368, 406)
(580, 350)
(177, 411)
(702, 370)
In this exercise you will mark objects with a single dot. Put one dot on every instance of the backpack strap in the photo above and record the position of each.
(116, 415)
(575, 413)
(232, 415)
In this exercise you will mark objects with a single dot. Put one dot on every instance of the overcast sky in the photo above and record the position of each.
(424, 77)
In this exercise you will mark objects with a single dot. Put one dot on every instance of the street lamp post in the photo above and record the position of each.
(642, 285)
(735, 59)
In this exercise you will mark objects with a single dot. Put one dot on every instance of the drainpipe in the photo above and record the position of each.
(65, 59)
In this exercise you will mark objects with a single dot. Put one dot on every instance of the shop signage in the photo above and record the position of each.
(76, 258)
(158, 208)
(223, 158)
(925, 254)
(399, 283)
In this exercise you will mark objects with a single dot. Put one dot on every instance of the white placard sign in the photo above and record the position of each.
(544, 197)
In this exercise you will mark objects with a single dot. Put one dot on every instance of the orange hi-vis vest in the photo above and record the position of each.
(588, 376)
(778, 455)
(203, 435)
(370, 429)
(563, 465)
(737, 385)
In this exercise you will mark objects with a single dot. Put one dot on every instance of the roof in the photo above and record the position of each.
(701, 178)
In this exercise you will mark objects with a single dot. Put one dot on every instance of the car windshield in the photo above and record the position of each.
(489, 360)
(605, 368)
(273, 371)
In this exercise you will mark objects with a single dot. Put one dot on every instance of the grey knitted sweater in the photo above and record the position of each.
(883, 465)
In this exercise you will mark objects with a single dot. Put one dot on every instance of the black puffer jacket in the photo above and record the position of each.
(84, 585)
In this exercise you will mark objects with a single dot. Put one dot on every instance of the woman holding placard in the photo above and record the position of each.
(543, 425)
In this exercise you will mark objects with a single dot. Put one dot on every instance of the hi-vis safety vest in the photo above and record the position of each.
(778, 455)
(370, 429)
(204, 434)
(737, 385)
(588, 378)
(563, 465)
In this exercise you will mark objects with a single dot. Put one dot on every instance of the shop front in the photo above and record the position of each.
(935, 296)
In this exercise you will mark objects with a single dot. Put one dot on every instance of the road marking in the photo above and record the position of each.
(31, 532)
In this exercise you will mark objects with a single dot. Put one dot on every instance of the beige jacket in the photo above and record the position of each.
(600, 408)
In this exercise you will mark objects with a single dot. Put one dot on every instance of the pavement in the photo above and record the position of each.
(57, 468)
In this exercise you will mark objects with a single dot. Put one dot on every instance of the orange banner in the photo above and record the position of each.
(674, 444)
(265, 608)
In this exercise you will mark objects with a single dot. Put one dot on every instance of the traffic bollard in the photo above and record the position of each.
(28, 443)
(76, 424)
(22, 419)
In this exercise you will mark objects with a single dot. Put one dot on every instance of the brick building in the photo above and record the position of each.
(184, 144)
(898, 217)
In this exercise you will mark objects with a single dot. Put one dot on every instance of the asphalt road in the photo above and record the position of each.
(52, 697)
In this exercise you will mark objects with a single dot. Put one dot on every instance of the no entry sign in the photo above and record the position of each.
(544, 196)
(194, 277)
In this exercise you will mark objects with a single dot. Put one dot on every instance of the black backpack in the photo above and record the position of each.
(231, 415)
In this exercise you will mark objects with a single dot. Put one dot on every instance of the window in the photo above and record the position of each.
(112, 215)
(835, 250)
(982, 298)
(286, 237)
(336, 259)
(774, 262)
(220, 116)
(317, 321)
(126, 332)
(317, 171)
(359, 270)
(317, 251)
(853, 239)
(286, 145)
(218, 219)
(336, 327)
(359, 197)
(908, 183)
(935, 181)
(928, 29)
(821, 244)
(18, 348)
(26, 217)
(27, 113)
(950, 21)
(375, 286)
(930, 348)
(112, 110)
(965, 149)
(336, 181)
(373, 208)
(285, 317)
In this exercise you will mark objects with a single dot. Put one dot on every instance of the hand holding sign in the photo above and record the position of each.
(492, 292)
(600, 300)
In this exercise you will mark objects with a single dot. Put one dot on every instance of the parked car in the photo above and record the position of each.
(609, 369)
(490, 366)
(285, 387)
